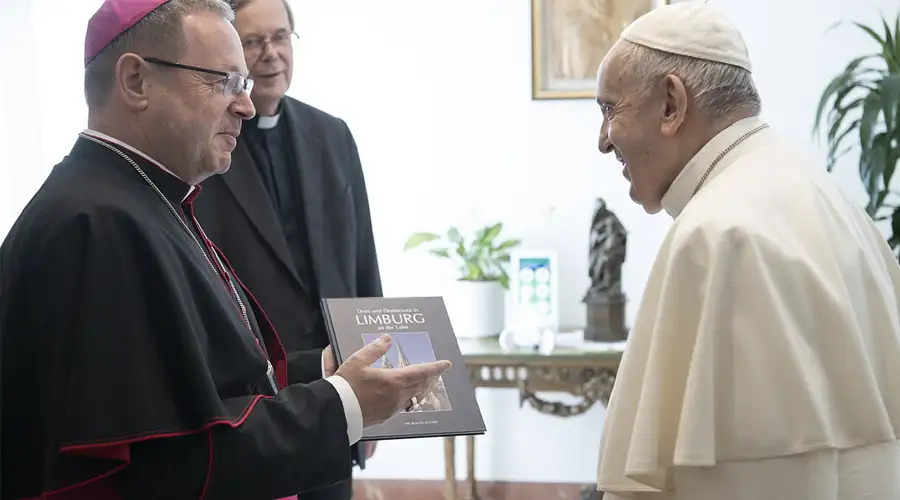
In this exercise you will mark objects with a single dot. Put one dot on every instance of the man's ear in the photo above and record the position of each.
(131, 81)
(676, 101)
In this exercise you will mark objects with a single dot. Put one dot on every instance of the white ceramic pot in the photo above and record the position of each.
(476, 308)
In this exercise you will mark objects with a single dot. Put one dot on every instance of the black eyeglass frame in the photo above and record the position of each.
(229, 75)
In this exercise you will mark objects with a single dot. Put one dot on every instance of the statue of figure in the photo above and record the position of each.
(606, 253)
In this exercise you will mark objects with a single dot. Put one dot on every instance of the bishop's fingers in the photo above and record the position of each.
(416, 374)
(423, 388)
(372, 351)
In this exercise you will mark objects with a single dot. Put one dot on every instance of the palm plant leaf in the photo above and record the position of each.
(859, 110)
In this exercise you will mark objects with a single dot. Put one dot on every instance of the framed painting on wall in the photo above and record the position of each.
(569, 39)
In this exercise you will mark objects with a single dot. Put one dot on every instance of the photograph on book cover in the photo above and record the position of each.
(413, 348)
(421, 332)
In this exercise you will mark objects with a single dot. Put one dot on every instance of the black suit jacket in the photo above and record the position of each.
(235, 210)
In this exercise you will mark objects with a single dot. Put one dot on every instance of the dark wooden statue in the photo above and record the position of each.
(605, 299)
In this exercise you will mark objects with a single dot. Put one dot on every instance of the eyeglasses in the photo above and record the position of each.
(233, 84)
(281, 38)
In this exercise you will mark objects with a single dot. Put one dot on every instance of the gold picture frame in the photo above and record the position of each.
(569, 39)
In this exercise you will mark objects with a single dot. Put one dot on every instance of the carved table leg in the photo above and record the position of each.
(470, 462)
(449, 468)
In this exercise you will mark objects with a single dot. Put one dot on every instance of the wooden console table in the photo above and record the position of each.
(586, 370)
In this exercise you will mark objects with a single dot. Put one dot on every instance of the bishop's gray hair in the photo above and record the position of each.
(161, 31)
(718, 89)
(238, 4)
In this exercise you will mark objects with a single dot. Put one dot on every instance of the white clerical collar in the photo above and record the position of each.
(682, 188)
(267, 122)
(101, 135)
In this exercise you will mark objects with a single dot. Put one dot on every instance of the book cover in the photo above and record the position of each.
(421, 332)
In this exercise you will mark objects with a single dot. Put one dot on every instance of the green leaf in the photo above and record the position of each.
(892, 156)
(836, 124)
(454, 236)
(875, 164)
(858, 80)
(833, 154)
(491, 232)
(895, 228)
(837, 120)
(889, 49)
(419, 238)
(473, 272)
(843, 109)
(508, 244)
(871, 33)
(881, 196)
(871, 108)
(461, 250)
(890, 99)
(889, 46)
(833, 87)
(504, 279)
(837, 156)
(835, 131)
(839, 87)
(897, 35)
(440, 252)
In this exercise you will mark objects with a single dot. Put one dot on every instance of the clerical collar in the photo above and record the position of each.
(268, 122)
(682, 188)
(171, 184)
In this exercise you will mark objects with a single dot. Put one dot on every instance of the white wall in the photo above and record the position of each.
(6, 207)
(20, 174)
(59, 72)
(438, 96)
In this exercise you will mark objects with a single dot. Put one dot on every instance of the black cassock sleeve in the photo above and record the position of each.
(253, 461)
(304, 366)
(121, 366)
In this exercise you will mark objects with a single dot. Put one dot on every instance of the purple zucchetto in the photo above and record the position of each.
(112, 19)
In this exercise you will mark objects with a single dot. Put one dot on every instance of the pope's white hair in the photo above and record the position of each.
(160, 32)
(718, 89)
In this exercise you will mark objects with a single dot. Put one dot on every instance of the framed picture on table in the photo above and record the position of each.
(569, 38)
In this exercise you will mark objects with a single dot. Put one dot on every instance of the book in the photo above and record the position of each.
(421, 332)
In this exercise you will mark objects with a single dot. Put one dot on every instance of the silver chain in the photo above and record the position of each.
(725, 152)
(270, 371)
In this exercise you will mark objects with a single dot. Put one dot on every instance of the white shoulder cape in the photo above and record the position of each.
(769, 325)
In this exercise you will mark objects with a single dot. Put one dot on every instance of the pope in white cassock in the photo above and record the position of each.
(764, 363)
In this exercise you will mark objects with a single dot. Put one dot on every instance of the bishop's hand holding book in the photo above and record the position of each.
(383, 393)
(403, 356)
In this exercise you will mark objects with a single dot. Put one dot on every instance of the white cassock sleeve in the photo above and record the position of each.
(755, 365)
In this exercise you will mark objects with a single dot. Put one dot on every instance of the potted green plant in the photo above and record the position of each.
(859, 111)
(477, 305)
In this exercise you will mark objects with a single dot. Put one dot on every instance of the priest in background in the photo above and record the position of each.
(136, 364)
(292, 214)
(764, 363)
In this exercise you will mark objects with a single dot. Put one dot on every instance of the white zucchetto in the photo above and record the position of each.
(694, 29)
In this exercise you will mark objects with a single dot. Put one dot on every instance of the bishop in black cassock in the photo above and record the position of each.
(122, 333)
